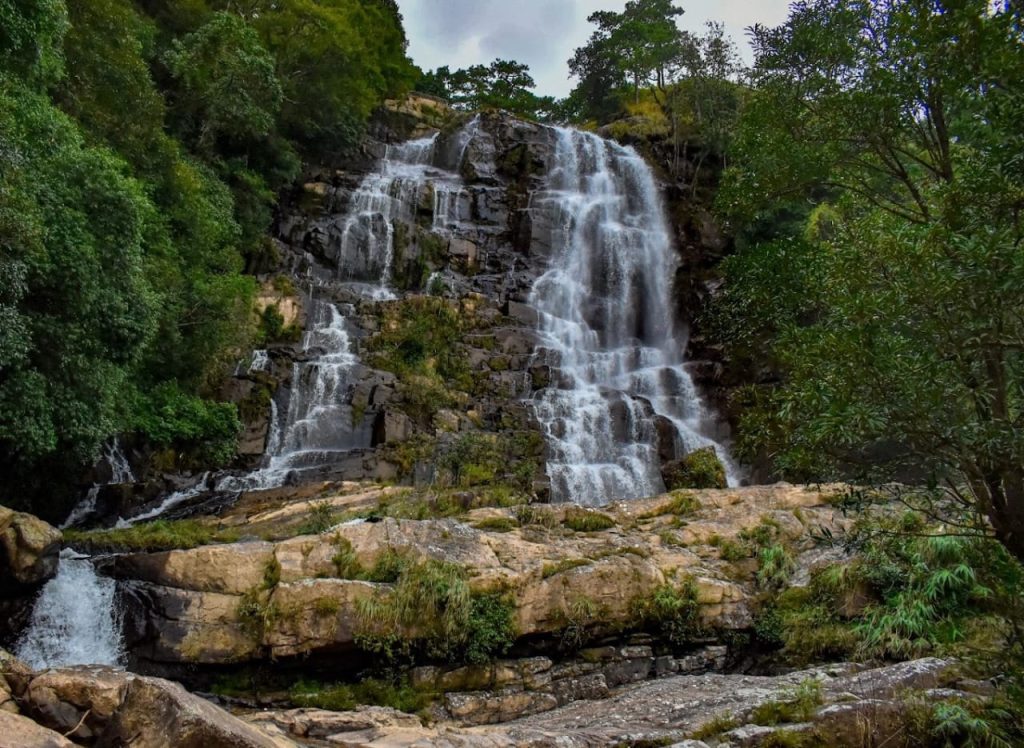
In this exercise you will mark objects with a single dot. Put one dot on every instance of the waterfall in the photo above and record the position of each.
(318, 426)
(120, 472)
(75, 620)
(606, 327)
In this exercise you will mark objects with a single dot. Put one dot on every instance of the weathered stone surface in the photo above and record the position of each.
(21, 732)
(29, 552)
(184, 604)
(117, 708)
(486, 708)
(662, 711)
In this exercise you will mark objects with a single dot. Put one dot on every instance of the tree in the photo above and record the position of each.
(640, 44)
(504, 84)
(902, 341)
(31, 32)
(228, 87)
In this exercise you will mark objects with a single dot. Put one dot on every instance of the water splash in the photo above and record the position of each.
(606, 327)
(75, 620)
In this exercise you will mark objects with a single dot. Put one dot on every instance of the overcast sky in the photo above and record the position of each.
(544, 33)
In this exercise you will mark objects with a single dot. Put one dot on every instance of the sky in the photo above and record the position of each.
(544, 33)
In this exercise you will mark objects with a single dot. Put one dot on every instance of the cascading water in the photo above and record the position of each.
(318, 425)
(120, 472)
(75, 620)
(606, 327)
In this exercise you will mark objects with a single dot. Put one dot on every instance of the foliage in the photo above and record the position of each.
(171, 417)
(504, 84)
(159, 535)
(897, 332)
(913, 590)
(798, 706)
(701, 468)
(143, 143)
(431, 606)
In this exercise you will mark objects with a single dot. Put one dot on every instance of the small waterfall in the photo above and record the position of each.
(605, 306)
(395, 192)
(120, 473)
(75, 620)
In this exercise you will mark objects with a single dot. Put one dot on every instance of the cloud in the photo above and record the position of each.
(544, 33)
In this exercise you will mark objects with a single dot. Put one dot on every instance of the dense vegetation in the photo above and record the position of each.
(876, 191)
(142, 144)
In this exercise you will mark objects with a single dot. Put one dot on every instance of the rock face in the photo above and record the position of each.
(29, 552)
(186, 607)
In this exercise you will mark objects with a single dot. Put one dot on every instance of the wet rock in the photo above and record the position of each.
(29, 552)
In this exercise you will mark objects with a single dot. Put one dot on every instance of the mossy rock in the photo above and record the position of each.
(699, 469)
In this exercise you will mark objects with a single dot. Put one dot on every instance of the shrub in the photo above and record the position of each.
(490, 630)
(321, 518)
(346, 564)
(775, 568)
(432, 602)
(671, 612)
(699, 469)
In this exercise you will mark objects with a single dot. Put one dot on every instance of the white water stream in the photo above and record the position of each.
(75, 620)
(606, 305)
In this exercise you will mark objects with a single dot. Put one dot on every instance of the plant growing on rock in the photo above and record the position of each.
(580, 519)
(671, 611)
(700, 469)
(431, 607)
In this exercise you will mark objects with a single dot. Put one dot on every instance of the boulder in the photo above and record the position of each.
(111, 707)
(29, 552)
(21, 732)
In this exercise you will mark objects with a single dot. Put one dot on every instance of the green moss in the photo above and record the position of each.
(579, 519)
(563, 565)
(161, 535)
(496, 524)
(730, 550)
(699, 469)
(326, 606)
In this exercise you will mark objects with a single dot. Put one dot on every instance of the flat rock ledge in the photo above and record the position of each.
(184, 605)
(856, 703)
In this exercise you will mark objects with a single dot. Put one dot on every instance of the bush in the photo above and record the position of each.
(170, 417)
(699, 469)
(433, 599)
(672, 612)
